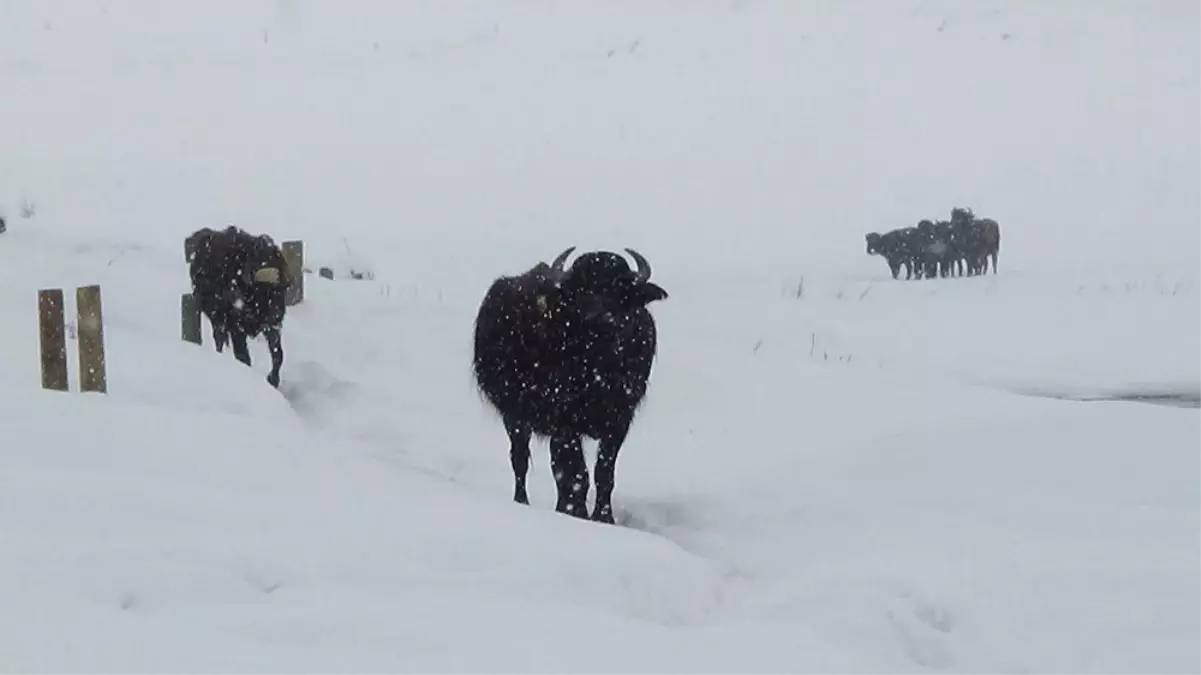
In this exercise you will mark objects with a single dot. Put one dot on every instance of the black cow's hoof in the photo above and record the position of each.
(573, 509)
(604, 515)
(273, 380)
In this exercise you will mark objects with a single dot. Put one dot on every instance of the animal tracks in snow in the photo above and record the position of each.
(310, 387)
(923, 629)
(672, 521)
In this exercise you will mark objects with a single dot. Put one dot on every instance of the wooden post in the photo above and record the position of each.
(189, 311)
(294, 258)
(93, 374)
(53, 339)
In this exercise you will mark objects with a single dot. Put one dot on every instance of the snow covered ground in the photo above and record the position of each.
(834, 471)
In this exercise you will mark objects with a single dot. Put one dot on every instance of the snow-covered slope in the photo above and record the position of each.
(834, 471)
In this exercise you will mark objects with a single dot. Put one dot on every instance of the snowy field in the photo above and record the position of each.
(833, 472)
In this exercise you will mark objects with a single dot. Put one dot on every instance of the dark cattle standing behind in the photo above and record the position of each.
(981, 240)
(958, 247)
(567, 354)
(939, 249)
(990, 236)
(929, 249)
(952, 263)
(240, 281)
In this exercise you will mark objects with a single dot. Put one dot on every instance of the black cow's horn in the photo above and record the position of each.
(556, 266)
(644, 267)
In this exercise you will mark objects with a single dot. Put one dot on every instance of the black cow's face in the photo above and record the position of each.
(873, 243)
(601, 283)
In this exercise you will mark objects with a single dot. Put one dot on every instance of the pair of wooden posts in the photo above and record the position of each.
(189, 309)
(90, 338)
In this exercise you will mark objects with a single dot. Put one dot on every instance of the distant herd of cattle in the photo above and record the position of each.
(958, 247)
(560, 352)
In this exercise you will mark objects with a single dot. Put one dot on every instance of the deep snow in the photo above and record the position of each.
(833, 472)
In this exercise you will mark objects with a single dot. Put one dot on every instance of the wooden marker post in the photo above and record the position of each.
(189, 311)
(93, 375)
(294, 258)
(53, 339)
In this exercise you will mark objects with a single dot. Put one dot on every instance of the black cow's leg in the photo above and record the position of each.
(220, 336)
(519, 457)
(276, 345)
(241, 349)
(571, 475)
(606, 466)
(894, 267)
(994, 263)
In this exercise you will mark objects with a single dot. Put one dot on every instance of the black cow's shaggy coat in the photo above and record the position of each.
(567, 354)
(240, 282)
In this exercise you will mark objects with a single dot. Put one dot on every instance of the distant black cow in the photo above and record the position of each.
(939, 249)
(567, 354)
(984, 241)
(898, 248)
(989, 233)
(976, 239)
(239, 281)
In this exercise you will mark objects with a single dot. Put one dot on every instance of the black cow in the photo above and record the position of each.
(897, 247)
(984, 242)
(240, 282)
(978, 239)
(990, 238)
(938, 249)
(566, 354)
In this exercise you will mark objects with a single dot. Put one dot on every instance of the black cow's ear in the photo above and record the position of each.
(652, 292)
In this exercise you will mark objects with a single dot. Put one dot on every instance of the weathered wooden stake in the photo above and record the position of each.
(189, 311)
(53, 339)
(93, 374)
(294, 257)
